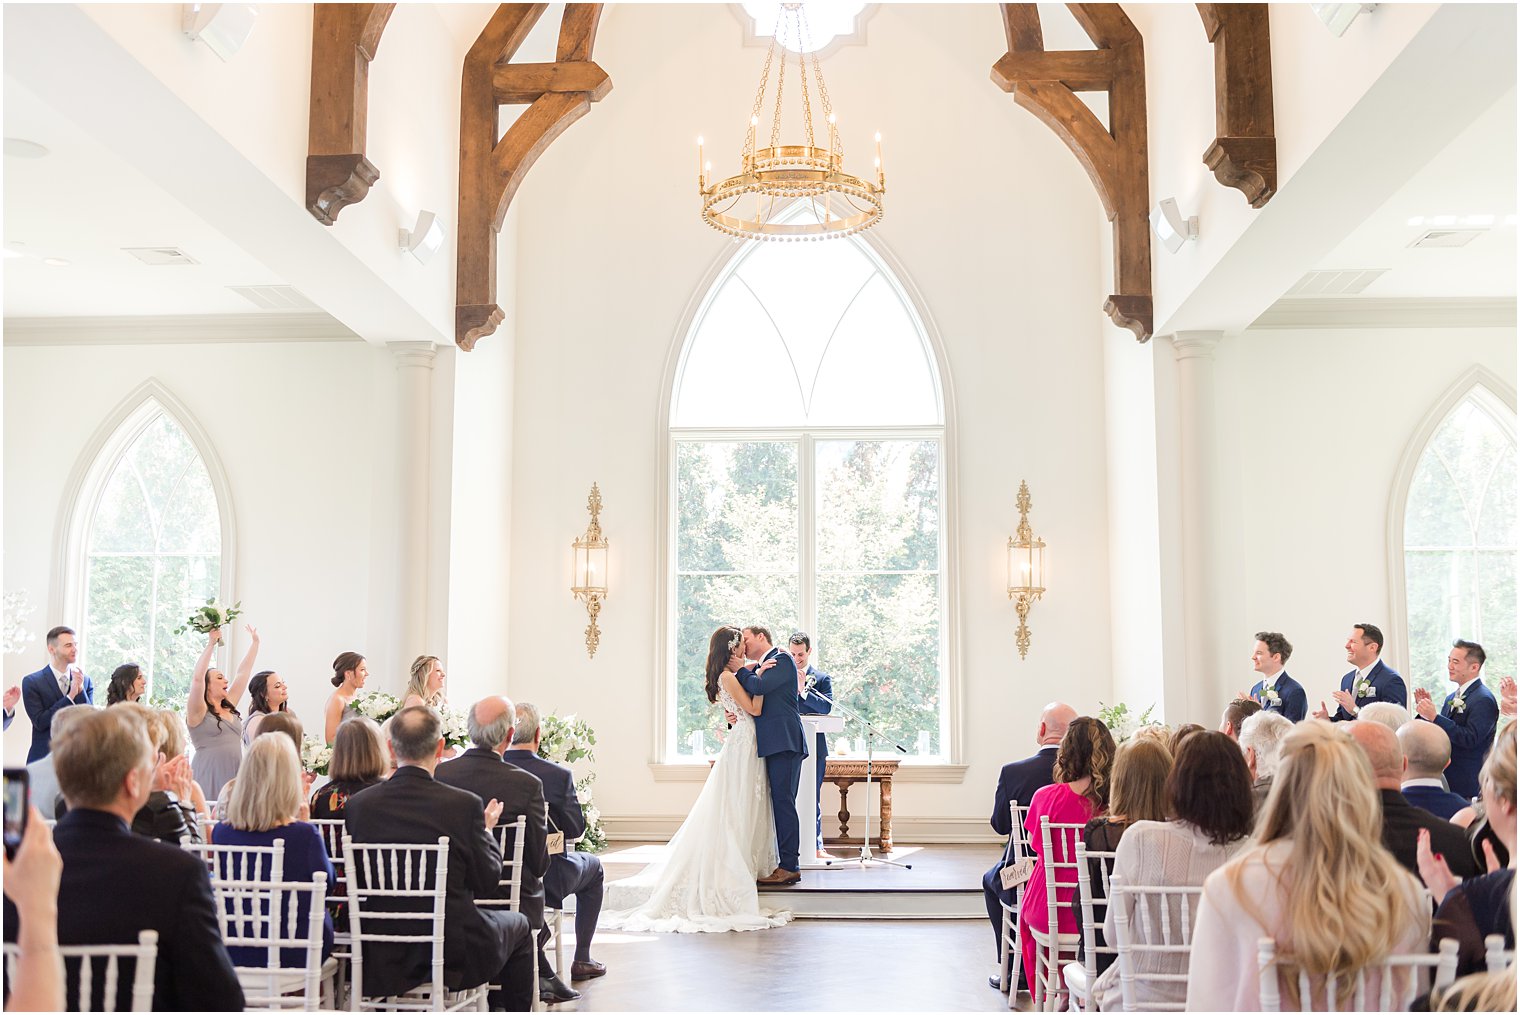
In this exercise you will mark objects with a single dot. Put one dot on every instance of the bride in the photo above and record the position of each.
(707, 882)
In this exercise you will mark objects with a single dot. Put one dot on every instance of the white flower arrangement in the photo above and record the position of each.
(315, 755)
(569, 739)
(208, 618)
(1269, 696)
(1364, 688)
(456, 728)
(1458, 704)
(18, 606)
(1122, 721)
(377, 705)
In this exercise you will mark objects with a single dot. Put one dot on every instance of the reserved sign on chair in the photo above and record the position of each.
(1016, 874)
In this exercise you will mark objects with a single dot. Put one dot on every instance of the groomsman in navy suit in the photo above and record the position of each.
(780, 741)
(816, 698)
(12, 695)
(1372, 680)
(1276, 691)
(1469, 716)
(54, 688)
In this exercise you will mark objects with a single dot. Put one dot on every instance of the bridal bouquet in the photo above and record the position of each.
(208, 618)
(456, 728)
(568, 740)
(377, 705)
(315, 755)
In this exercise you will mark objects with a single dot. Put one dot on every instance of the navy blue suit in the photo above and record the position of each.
(1387, 685)
(1435, 800)
(1018, 781)
(780, 741)
(1471, 729)
(1293, 703)
(819, 701)
(43, 700)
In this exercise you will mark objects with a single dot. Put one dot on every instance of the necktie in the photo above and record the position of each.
(63, 683)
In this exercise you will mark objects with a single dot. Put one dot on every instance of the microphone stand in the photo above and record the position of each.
(872, 732)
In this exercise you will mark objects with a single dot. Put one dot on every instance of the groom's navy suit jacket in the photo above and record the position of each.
(778, 727)
(1386, 683)
(43, 700)
(1471, 730)
(1294, 704)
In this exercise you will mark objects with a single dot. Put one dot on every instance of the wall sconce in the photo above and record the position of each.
(588, 576)
(222, 27)
(1172, 229)
(424, 239)
(1026, 568)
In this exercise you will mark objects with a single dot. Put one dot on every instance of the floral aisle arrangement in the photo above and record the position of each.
(567, 740)
(315, 755)
(1122, 721)
(208, 618)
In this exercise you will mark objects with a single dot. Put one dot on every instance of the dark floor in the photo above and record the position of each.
(936, 867)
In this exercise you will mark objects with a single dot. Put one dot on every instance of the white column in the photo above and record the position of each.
(1197, 420)
(414, 399)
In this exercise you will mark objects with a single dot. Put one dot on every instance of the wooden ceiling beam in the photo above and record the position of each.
(1244, 154)
(1021, 27)
(516, 83)
(1079, 71)
(344, 40)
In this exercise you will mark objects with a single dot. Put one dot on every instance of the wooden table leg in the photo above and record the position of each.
(886, 815)
(844, 808)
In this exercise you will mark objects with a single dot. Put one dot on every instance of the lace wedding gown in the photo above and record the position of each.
(707, 882)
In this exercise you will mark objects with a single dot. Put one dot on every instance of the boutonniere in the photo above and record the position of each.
(1458, 704)
(1364, 688)
(1269, 696)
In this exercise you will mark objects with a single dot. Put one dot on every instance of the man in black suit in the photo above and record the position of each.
(1371, 680)
(116, 884)
(1018, 781)
(1402, 821)
(1427, 752)
(53, 688)
(1469, 715)
(571, 872)
(479, 945)
(481, 771)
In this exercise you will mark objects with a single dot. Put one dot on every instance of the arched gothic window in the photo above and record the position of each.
(807, 482)
(1460, 542)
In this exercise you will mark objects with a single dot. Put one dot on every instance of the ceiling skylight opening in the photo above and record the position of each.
(825, 23)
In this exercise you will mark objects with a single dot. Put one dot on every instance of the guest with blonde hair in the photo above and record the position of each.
(425, 685)
(1316, 879)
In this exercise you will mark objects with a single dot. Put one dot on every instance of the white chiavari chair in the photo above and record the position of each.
(1494, 953)
(1376, 987)
(265, 917)
(241, 863)
(1051, 947)
(80, 964)
(509, 841)
(1094, 906)
(1009, 957)
(1153, 932)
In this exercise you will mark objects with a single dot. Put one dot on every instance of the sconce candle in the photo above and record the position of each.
(588, 575)
(1026, 568)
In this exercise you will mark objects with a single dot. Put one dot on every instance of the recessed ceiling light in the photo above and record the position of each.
(1443, 220)
(1417, 220)
(1477, 220)
(20, 148)
(56, 262)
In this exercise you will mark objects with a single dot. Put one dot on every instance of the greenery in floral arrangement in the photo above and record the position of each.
(568, 740)
(172, 704)
(208, 618)
(378, 705)
(1121, 721)
(315, 755)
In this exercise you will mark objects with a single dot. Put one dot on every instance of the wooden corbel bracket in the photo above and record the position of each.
(1244, 154)
(344, 39)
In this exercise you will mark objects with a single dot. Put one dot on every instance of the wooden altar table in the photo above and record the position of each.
(846, 772)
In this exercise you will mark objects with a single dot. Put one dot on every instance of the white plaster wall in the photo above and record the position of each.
(1312, 425)
(303, 432)
(1006, 269)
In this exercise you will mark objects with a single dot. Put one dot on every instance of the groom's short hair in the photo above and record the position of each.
(763, 632)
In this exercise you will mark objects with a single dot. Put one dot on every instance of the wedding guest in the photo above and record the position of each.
(54, 688)
(1078, 792)
(1208, 794)
(12, 695)
(46, 793)
(1485, 991)
(219, 741)
(1138, 794)
(1276, 691)
(358, 762)
(31, 886)
(1371, 680)
(1316, 879)
(127, 684)
(1506, 697)
(267, 694)
(283, 724)
(266, 805)
(1427, 752)
(1469, 715)
(1473, 909)
(1403, 823)
(349, 673)
(1235, 714)
(167, 731)
(1180, 734)
(815, 696)
(1385, 712)
(1018, 781)
(168, 814)
(1261, 738)
(1156, 733)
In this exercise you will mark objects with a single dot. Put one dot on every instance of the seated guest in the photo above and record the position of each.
(1156, 733)
(1385, 712)
(167, 730)
(479, 945)
(169, 815)
(1235, 715)
(1180, 734)
(1017, 781)
(1485, 991)
(1473, 909)
(1081, 773)
(1138, 793)
(116, 884)
(35, 982)
(358, 762)
(1316, 879)
(266, 807)
(1469, 716)
(1371, 680)
(481, 771)
(285, 724)
(1261, 738)
(1403, 823)
(1427, 752)
(571, 872)
(1208, 793)
(1276, 691)
(46, 794)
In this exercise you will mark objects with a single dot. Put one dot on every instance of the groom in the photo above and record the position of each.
(779, 740)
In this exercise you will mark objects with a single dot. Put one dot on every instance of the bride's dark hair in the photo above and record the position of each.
(722, 643)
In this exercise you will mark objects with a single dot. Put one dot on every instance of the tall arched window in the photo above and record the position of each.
(807, 480)
(149, 543)
(1460, 541)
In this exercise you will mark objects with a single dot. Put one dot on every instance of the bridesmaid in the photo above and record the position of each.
(219, 741)
(267, 694)
(127, 684)
(349, 673)
(426, 685)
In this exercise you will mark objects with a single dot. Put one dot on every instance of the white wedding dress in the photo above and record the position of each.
(707, 881)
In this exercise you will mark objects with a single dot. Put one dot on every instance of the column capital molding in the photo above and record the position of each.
(413, 354)
(1195, 344)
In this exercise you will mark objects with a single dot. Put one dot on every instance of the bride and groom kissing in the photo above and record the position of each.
(743, 829)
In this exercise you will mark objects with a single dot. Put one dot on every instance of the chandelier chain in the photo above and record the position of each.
(804, 38)
(780, 82)
(754, 113)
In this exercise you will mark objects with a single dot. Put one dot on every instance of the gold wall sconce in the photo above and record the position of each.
(1026, 568)
(588, 575)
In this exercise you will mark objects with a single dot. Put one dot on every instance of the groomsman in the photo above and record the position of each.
(1372, 680)
(53, 688)
(1276, 691)
(815, 700)
(12, 695)
(1469, 716)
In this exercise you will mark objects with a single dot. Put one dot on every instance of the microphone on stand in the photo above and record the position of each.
(812, 680)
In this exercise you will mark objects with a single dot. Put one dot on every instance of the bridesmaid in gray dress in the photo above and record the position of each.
(216, 726)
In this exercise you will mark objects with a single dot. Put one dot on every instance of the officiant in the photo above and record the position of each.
(815, 693)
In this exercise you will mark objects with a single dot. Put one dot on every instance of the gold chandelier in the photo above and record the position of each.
(756, 203)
